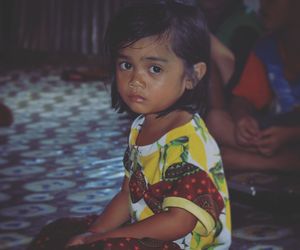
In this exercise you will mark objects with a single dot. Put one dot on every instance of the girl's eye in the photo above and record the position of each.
(125, 66)
(155, 69)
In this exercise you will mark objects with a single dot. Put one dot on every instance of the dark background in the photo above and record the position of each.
(35, 31)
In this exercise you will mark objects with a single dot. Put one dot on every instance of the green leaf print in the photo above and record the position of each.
(180, 141)
(200, 127)
(163, 157)
(197, 121)
(219, 228)
(217, 167)
(183, 142)
(211, 246)
(197, 238)
(159, 147)
(134, 217)
(218, 174)
(184, 155)
(134, 158)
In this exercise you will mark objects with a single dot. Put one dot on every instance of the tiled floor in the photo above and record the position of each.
(63, 157)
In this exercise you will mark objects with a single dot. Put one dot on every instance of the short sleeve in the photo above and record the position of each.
(193, 190)
(254, 83)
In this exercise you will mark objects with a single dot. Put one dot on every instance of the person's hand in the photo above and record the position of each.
(81, 239)
(272, 139)
(247, 131)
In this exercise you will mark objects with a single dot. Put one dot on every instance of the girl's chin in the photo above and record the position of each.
(137, 110)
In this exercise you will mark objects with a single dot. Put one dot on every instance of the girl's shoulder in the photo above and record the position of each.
(195, 127)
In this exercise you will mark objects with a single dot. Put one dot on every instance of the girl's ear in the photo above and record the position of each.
(199, 72)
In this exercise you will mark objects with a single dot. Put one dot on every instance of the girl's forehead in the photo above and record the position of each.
(152, 44)
(152, 50)
(151, 41)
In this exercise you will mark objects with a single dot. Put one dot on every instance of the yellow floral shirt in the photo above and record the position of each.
(182, 169)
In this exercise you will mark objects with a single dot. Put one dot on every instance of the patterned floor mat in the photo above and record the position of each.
(63, 157)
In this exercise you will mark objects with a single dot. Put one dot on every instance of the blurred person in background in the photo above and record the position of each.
(262, 129)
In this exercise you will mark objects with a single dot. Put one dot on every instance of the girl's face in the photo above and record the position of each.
(150, 77)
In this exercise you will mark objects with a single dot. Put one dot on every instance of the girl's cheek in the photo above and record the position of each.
(123, 76)
(120, 79)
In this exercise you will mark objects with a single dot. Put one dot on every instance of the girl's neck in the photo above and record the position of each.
(155, 127)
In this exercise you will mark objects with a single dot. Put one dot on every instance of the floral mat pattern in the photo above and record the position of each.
(63, 157)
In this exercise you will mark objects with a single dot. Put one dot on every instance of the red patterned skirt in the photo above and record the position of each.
(56, 235)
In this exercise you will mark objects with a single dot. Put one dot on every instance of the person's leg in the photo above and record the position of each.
(55, 235)
(221, 126)
(127, 243)
(284, 160)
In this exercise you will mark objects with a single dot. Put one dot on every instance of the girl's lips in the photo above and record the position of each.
(136, 98)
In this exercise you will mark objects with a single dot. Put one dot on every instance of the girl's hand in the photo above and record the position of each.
(247, 131)
(81, 239)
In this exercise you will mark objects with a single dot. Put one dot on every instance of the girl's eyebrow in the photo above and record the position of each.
(122, 56)
(147, 58)
(156, 59)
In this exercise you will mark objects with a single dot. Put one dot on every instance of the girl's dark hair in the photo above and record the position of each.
(186, 28)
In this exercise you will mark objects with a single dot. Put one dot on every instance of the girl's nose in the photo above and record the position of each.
(135, 84)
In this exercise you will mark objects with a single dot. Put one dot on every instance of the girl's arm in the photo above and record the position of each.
(114, 215)
(116, 212)
(166, 226)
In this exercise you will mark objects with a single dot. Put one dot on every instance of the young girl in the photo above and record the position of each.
(174, 193)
